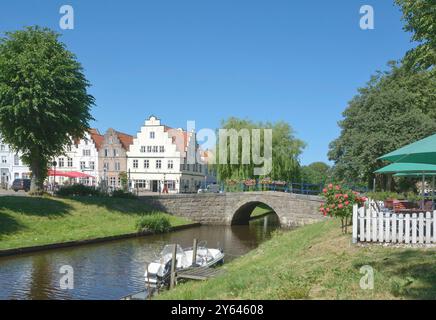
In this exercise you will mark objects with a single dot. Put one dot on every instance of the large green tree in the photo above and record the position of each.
(396, 107)
(316, 173)
(43, 97)
(285, 151)
(420, 19)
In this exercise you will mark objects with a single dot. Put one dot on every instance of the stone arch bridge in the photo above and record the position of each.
(235, 208)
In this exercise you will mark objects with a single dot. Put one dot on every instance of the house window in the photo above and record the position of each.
(16, 160)
(106, 152)
(170, 164)
(16, 175)
(161, 149)
(158, 164)
(2, 147)
(140, 184)
(148, 148)
(115, 152)
(112, 181)
(69, 148)
(170, 184)
(152, 135)
(61, 162)
(143, 148)
(82, 165)
(106, 166)
(155, 149)
(91, 165)
(117, 166)
(86, 153)
(135, 164)
(4, 159)
(146, 164)
(70, 162)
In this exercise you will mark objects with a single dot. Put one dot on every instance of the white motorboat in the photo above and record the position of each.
(157, 273)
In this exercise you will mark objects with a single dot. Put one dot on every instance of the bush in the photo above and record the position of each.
(154, 222)
(339, 203)
(77, 190)
(383, 195)
(123, 194)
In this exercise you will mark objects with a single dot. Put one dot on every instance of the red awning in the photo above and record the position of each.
(68, 174)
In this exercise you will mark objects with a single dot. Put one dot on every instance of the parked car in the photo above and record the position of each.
(211, 188)
(21, 184)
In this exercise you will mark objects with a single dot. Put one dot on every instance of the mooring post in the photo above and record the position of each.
(194, 253)
(173, 267)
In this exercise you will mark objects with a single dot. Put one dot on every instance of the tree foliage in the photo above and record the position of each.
(316, 173)
(43, 97)
(285, 152)
(396, 108)
(420, 19)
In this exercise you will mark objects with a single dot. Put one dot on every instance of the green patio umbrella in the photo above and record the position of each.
(422, 151)
(411, 169)
(400, 167)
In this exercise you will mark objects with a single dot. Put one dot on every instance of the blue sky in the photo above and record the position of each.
(204, 60)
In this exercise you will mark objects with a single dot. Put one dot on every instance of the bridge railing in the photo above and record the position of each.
(280, 186)
(289, 187)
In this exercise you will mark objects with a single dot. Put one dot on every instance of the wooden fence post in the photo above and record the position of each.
(194, 253)
(355, 208)
(362, 224)
(394, 228)
(173, 267)
(368, 224)
(414, 227)
(407, 227)
(434, 226)
(400, 228)
(428, 227)
(421, 227)
(387, 227)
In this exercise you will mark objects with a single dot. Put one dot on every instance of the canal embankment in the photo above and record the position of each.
(29, 224)
(318, 262)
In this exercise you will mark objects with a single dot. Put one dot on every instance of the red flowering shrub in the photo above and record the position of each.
(339, 202)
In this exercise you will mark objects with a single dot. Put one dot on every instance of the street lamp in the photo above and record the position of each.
(54, 164)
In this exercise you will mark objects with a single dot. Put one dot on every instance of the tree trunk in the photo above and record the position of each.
(39, 173)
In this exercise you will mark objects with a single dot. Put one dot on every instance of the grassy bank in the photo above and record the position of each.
(31, 221)
(318, 262)
(260, 210)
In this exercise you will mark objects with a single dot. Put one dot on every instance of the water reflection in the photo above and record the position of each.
(114, 269)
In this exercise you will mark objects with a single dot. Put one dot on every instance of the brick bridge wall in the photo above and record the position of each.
(235, 208)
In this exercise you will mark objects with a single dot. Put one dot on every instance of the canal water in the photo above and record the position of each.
(115, 269)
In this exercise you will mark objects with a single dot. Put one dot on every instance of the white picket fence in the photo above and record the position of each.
(371, 225)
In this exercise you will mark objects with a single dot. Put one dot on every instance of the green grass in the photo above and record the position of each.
(318, 262)
(31, 221)
(260, 210)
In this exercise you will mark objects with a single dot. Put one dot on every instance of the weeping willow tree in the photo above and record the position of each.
(285, 151)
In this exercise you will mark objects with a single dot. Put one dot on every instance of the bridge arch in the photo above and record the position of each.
(243, 212)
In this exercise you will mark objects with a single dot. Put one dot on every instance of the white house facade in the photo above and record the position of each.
(157, 160)
(81, 156)
(11, 166)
